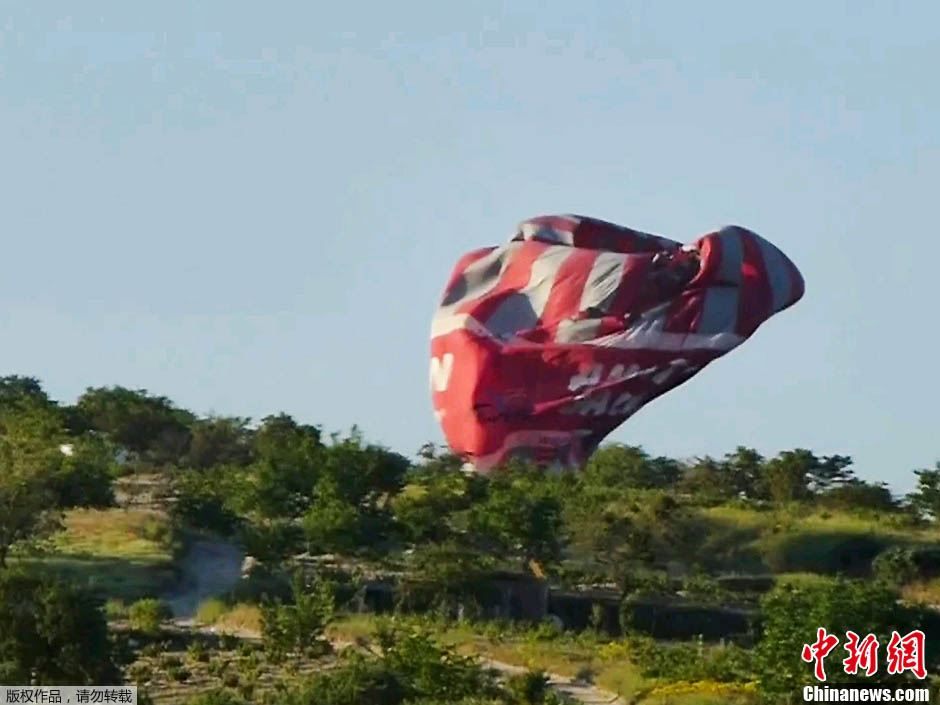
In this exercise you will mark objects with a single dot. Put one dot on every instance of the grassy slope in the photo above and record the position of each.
(744, 541)
(124, 554)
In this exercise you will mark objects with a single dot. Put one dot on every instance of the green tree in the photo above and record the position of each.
(926, 498)
(442, 576)
(786, 478)
(520, 516)
(30, 461)
(425, 513)
(364, 474)
(858, 494)
(86, 475)
(17, 391)
(288, 467)
(617, 465)
(52, 634)
(743, 470)
(220, 441)
(271, 541)
(149, 425)
(708, 479)
(332, 524)
(298, 627)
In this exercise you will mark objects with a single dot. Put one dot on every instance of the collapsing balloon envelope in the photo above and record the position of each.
(543, 346)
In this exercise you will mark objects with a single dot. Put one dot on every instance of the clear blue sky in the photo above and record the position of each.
(252, 207)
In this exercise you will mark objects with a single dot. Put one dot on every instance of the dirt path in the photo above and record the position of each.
(210, 568)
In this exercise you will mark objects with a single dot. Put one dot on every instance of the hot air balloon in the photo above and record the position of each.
(541, 347)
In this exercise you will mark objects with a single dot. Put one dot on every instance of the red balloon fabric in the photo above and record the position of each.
(543, 346)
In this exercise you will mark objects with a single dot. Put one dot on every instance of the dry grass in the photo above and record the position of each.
(923, 591)
(240, 618)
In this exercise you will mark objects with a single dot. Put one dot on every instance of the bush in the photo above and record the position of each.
(52, 633)
(530, 688)
(140, 673)
(178, 673)
(691, 661)
(261, 586)
(298, 627)
(147, 615)
(747, 583)
(210, 611)
(216, 697)
(197, 652)
(895, 566)
(792, 614)
(115, 609)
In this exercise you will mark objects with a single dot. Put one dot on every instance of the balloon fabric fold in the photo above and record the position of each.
(541, 347)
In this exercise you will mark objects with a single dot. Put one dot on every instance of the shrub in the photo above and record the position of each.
(140, 673)
(262, 585)
(216, 697)
(529, 688)
(298, 627)
(691, 661)
(895, 566)
(115, 609)
(197, 652)
(147, 615)
(210, 611)
(178, 673)
(52, 633)
(792, 614)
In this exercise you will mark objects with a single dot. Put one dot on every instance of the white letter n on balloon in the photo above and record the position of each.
(440, 372)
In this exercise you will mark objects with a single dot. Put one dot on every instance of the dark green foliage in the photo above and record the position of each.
(895, 566)
(747, 583)
(520, 516)
(443, 576)
(530, 688)
(664, 619)
(332, 524)
(134, 419)
(262, 585)
(857, 494)
(30, 461)
(624, 466)
(17, 391)
(219, 441)
(148, 614)
(271, 541)
(207, 499)
(52, 634)
(708, 480)
(830, 554)
(85, 478)
(410, 667)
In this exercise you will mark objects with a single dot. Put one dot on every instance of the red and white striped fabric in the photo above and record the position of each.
(543, 346)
